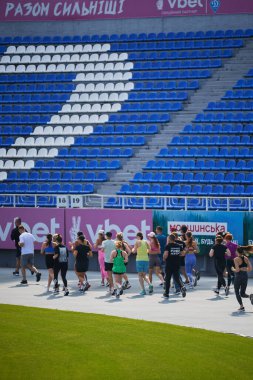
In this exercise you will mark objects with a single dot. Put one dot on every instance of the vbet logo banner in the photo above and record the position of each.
(205, 225)
(68, 222)
(38, 221)
(55, 10)
(91, 221)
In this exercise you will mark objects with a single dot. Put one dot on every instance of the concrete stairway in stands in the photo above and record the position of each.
(211, 90)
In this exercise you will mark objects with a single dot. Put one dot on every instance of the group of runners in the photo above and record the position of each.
(170, 258)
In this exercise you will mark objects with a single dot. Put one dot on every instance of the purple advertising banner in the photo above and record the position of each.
(91, 221)
(38, 221)
(68, 222)
(54, 10)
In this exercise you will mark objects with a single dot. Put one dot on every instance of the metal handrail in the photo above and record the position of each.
(101, 201)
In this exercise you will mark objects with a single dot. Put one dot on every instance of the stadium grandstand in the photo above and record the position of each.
(148, 119)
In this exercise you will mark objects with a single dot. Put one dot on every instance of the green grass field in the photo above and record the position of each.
(51, 344)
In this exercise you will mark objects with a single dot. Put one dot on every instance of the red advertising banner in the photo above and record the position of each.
(54, 10)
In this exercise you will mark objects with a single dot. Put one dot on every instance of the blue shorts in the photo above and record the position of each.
(142, 266)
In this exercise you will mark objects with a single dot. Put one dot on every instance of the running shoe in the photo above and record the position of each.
(166, 295)
(107, 284)
(118, 293)
(121, 291)
(241, 308)
(226, 290)
(23, 282)
(56, 289)
(183, 291)
(251, 298)
(32, 273)
(113, 292)
(143, 292)
(102, 283)
(217, 291)
(244, 295)
(66, 292)
(177, 292)
(150, 289)
(126, 285)
(195, 282)
(15, 273)
(38, 276)
(161, 284)
(197, 274)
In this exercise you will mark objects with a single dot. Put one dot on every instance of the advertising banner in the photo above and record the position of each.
(91, 221)
(55, 10)
(205, 225)
(38, 221)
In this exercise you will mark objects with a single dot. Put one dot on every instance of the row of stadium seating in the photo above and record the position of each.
(56, 176)
(206, 152)
(206, 177)
(200, 164)
(46, 188)
(212, 140)
(125, 37)
(218, 129)
(188, 190)
(230, 106)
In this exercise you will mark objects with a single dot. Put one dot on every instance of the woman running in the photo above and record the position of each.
(127, 248)
(101, 256)
(119, 259)
(219, 251)
(60, 265)
(242, 266)
(154, 257)
(142, 248)
(191, 248)
(47, 249)
(230, 259)
(82, 252)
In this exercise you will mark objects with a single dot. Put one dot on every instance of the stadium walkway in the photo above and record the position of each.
(201, 308)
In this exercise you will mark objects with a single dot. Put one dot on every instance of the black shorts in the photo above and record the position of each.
(119, 273)
(80, 267)
(49, 261)
(18, 252)
(182, 261)
(108, 267)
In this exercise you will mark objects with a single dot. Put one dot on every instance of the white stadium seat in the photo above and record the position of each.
(29, 164)
(2, 152)
(18, 164)
(46, 58)
(84, 97)
(106, 108)
(58, 130)
(78, 48)
(19, 141)
(84, 119)
(49, 141)
(78, 130)
(56, 58)
(38, 130)
(42, 152)
(11, 50)
(75, 58)
(65, 119)
(88, 130)
(129, 86)
(94, 57)
(87, 48)
(59, 141)
(119, 87)
(108, 77)
(123, 57)
(3, 175)
(40, 49)
(116, 107)
(113, 97)
(50, 49)
(1, 164)
(41, 68)
(59, 49)
(26, 59)
(52, 152)
(48, 130)
(21, 152)
(103, 97)
(31, 152)
(69, 48)
(104, 57)
(21, 49)
(93, 97)
(2, 68)
(39, 141)
(94, 119)
(84, 58)
(6, 59)
(55, 119)
(35, 59)
(31, 69)
(69, 141)
(99, 87)
(15, 59)
(11, 152)
(74, 119)
(65, 58)
(29, 141)
(70, 67)
(30, 49)
(123, 96)
(90, 87)
(103, 118)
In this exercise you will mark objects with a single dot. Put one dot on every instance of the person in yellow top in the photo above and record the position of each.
(141, 248)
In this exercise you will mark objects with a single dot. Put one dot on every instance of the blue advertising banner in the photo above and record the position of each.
(205, 225)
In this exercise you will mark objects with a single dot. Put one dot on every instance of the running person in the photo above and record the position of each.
(142, 248)
(15, 237)
(73, 246)
(127, 248)
(172, 265)
(191, 248)
(82, 252)
(154, 259)
(26, 242)
(163, 241)
(101, 256)
(219, 251)
(60, 265)
(119, 258)
(108, 246)
(242, 266)
(182, 262)
(47, 249)
(230, 259)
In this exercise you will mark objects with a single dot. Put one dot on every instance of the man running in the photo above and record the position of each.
(26, 242)
(15, 237)
(108, 246)
(172, 265)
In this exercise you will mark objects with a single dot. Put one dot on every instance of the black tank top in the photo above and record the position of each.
(243, 264)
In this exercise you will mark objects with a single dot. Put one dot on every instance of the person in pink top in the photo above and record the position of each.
(101, 256)
(230, 260)
(154, 259)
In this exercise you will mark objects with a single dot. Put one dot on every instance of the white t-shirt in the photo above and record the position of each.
(28, 240)
(108, 246)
